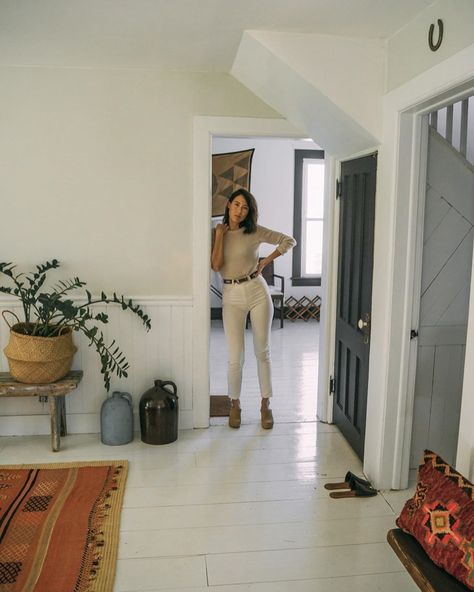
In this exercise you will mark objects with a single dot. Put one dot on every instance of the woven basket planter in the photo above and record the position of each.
(34, 359)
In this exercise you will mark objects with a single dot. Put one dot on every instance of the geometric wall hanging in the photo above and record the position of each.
(230, 171)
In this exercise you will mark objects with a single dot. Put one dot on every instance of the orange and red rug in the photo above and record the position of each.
(59, 526)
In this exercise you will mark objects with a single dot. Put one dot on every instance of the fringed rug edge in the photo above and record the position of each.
(106, 577)
(69, 465)
(104, 581)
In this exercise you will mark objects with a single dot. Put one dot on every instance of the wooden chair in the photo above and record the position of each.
(427, 576)
(276, 292)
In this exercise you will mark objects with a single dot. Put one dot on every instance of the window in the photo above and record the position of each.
(308, 217)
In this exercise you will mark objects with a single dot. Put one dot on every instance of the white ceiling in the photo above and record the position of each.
(200, 35)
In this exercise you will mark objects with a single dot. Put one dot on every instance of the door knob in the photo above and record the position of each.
(364, 326)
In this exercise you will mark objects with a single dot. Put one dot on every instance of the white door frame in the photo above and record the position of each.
(391, 380)
(204, 129)
(418, 230)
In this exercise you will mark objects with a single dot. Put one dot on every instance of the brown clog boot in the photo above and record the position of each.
(267, 418)
(235, 416)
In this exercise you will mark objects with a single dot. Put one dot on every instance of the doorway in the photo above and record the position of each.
(204, 128)
(440, 323)
(389, 456)
(295, 346)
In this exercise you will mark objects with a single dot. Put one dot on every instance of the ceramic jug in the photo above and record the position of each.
(116, 419)
(159, 413)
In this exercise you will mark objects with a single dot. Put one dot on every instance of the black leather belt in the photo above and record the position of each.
(242, 279)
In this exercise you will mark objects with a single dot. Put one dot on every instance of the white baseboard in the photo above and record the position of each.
(165, 352)
(77, 423)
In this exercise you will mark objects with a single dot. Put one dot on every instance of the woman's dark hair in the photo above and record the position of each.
(250, 222)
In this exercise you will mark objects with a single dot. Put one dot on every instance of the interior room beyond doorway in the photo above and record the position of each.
(295, 347)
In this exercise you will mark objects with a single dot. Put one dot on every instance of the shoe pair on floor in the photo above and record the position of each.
(236, 413)
(356, 486)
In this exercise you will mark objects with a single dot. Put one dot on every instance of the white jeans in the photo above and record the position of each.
(239, 299)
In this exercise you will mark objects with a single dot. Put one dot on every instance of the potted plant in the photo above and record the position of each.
(44, 337)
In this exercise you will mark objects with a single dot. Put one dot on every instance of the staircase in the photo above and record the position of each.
(448, 235)
(455, 123)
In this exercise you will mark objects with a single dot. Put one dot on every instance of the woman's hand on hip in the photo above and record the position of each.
(267, 260)
(262, 264)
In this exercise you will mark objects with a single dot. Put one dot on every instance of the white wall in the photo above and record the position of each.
(272, 183)
(332, 64)
(408, 52)
(97, 171)
(316, 98)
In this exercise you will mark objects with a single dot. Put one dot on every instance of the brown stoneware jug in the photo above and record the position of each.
(159, 413)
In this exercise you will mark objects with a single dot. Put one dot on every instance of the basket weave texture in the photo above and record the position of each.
(39, 360)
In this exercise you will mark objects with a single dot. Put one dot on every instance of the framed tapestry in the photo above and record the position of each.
(230, 171)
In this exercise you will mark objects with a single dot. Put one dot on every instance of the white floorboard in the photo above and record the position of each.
(294, 352)
(225, 510)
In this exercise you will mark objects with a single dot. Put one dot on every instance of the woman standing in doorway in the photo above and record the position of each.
(235, 248)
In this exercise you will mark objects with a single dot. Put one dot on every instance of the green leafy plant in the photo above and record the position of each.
(47, 313)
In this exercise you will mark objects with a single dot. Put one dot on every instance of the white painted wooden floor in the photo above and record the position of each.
(295, 350)
(245, 510)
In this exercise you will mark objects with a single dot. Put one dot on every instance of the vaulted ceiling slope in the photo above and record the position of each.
(283, 69)
(199, 35)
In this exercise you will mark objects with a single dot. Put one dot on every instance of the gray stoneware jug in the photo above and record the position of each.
(116, 419)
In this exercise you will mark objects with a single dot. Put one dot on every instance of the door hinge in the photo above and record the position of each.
(332, 385)
(338, 188)
(413, 334)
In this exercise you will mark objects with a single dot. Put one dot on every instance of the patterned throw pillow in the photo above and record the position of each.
(441, 517)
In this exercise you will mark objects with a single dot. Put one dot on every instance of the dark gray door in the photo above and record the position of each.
(354, 296)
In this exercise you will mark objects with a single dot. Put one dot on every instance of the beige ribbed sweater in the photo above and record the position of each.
(241, 250)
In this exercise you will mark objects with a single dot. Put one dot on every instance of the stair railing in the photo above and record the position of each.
(456, 116)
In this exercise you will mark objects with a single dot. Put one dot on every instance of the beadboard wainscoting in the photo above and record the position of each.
(165, 352)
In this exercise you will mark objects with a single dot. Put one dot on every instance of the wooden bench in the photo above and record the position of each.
(427, 575)
(54, 392)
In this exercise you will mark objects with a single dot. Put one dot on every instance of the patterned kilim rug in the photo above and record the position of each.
(59, 526)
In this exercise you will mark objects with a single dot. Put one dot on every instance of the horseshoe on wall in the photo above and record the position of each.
(437, 45)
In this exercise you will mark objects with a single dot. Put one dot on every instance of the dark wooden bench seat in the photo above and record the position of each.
(428, 576)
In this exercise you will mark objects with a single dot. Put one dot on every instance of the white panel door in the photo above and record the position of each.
(445, 285)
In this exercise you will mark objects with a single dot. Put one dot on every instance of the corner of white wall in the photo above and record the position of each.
(408, 52)
(277, 68)
(392, 295)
